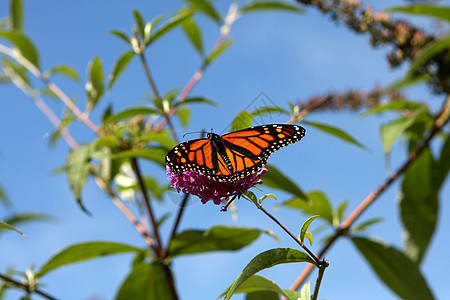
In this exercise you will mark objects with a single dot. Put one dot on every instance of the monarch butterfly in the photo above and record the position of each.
(235, 155)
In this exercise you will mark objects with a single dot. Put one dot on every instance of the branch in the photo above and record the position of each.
(441, 119)
(26, 287)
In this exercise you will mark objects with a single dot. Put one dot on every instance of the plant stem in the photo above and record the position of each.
(441, 119)
(54, 88)
(26, 287)
(323, 265)
(316, 260)
(134, 163)
(177, 221)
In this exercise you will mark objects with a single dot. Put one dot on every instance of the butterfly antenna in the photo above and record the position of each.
(203, 132)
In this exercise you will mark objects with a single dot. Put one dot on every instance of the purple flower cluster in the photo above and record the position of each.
(206, 189)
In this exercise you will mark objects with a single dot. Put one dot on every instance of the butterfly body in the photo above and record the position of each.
(235, 155)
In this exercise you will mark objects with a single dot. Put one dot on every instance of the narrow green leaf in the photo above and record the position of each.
(262, 295)
(154, 154)
(268, 110)
(119, 66)
(217, 52)
(192, 100)
(194, 34)
(207, 8)
(128, 113)
(95, 85)
(394, 268)
(29, 217)
(16, 14)
(23, 44)
(218, 238)
(305, 226)
(391, 131)
(441, 12)
(339, 133)
(428, 52)
(275, 179)
(266, 260)
(261, 199)
(3, 197)
(315, 203)
(241, 121)
(64, 70)
(6, 226)
(270, 6)
(145, 282)
(168, 26)
(139, 22)
(309, 237)
(249, 195)
(84, 251)
(365, 225)
(401, 105)
(121, 36)
(258, 283)
(77, 169)
(305, 292)
(418, 201)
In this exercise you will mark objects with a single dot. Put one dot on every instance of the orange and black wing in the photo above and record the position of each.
(249, 149)
(196, 155)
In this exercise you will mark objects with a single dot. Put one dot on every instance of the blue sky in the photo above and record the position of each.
(286, 56)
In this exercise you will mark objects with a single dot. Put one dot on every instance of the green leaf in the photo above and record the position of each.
(309, 237)
(339, 133)
(193, 100)
(443, 164)
(262, 295)
(3, 197)
(95, 85)
(249, 195)
(154, 154)
(305, 292)
(63, 70)
(365, 225)
(218, 238)
(275, 179)
(391, 131)
(139, 22)
(6, 226)
(418, 201)
(216, 52)
(401, 105)
(30, 217)
(267, 110)
(266, 260)
(119, 66)
(258, 283)
(128, 113)
(315, 203)
(194, 34)
(23, 44)
(121, 36)
(77, 170)
(394, 268)
(16, 14)
(184, 114)
(84, 251)
(428, 52)
(261, 199)
(441, 12)
(207, 8)
(145, 282)
(270, 6)
(241, 121)
(169, 25)
(305, 227)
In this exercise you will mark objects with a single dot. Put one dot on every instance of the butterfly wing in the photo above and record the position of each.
(196, 155)
(249, 149)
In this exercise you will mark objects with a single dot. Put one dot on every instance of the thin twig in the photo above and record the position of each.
(441, 120)
(177, 221)
(290, 234)
(147, 203)
(26, 287)
(53, 87)
(323, 265)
